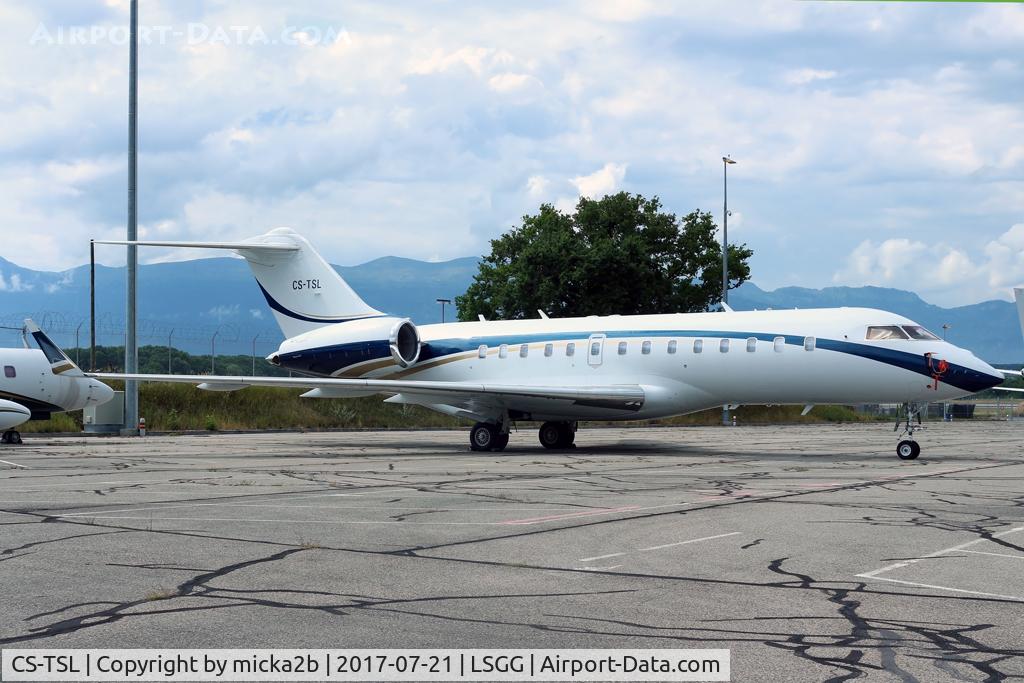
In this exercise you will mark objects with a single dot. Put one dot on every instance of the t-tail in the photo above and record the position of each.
(301, 288)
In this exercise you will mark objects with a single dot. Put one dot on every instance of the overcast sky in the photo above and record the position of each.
(877, 143)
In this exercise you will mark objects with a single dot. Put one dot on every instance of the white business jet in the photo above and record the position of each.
(38, 382)
(560, 371)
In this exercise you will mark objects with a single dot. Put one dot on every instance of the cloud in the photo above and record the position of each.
(805, 76)
(222, 313)
(944, 274)
(256, 313)
(426, 135)
(604, 181)
(13, 284)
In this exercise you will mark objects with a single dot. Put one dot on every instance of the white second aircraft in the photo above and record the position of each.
(559, 371)
(38, 382)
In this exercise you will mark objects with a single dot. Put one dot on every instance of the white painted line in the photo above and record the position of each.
(596, 569)
(982, 552)
(968, 544)
(8, 462)
(943, 588)
(874, 575)
(657, 547)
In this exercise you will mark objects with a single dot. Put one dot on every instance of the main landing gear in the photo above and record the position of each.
(557, 435)
(487, 437)
(910, 417)
(11, 436)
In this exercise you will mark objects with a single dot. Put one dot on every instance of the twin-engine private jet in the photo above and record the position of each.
(38, 382)
(560, 371)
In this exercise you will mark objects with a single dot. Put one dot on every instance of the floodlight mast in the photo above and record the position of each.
(131, 349)
(726, 161)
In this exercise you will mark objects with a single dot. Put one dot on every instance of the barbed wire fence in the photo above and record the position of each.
(72, 333)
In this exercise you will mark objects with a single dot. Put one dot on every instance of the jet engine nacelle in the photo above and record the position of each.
(327, 350)
(12, 414)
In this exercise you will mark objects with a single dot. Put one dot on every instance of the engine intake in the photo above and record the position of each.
(405, 343)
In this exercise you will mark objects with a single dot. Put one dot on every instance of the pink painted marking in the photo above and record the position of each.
(585, 513)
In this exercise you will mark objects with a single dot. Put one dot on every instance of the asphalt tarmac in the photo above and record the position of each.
(812, 553)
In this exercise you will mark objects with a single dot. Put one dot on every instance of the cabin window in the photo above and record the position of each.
(751, 344)
(524, 350)
(549, 349)
(698, 345)
(672, 346)
(10, 372)
(503, 351)
(622, 348)
(918, 332)
(595, 349)
(809, 343)
(780, 343)
(723, 346)
(482, 351)
(645, 348)
(570, 349)
(884, 332)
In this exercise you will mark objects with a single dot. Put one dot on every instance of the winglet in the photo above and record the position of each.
(726, 308)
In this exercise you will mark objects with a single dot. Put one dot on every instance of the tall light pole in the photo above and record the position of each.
(726, 161)
(131, 357)
(443, 302)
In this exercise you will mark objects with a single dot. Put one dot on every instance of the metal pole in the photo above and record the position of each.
(131, 359)
(725, 230)
(213, 353)
(254, 353)
(78, 351)
(92, 306)
(725, 250)
(169, 337)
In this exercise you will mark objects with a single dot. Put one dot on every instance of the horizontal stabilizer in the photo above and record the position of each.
(203, 245)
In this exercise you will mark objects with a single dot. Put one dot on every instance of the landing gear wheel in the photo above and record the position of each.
(11, 436)
(483, 437)
(908, 450)
(556, 435)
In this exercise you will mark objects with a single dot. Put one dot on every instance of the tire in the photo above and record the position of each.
(482, 437)
(550, 435)
(908, 450)
(556, 435)
(15, 437)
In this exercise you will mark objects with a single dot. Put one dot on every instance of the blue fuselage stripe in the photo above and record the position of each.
(330, 359)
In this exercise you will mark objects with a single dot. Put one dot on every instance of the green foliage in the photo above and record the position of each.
(153, 360)
(618, 255)
(210, 424)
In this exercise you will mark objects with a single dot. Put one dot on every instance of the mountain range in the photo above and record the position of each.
(192, 301)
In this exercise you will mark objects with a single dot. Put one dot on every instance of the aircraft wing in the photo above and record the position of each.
(1016, 389)
(626, 397)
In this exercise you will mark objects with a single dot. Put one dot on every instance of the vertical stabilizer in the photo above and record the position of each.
(301, 288)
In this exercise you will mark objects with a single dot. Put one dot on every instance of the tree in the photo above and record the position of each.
(620, 254)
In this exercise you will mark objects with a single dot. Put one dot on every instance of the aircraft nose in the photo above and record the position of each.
(101, 393)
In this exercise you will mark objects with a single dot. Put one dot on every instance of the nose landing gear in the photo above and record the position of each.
(11, 436)
(910, 418)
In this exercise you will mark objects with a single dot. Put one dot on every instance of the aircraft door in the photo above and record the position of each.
(595, 350)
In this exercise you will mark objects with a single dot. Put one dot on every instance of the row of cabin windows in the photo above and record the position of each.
(779, 343)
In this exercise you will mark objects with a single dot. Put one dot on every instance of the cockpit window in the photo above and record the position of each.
(883, 332)
(918, 332)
